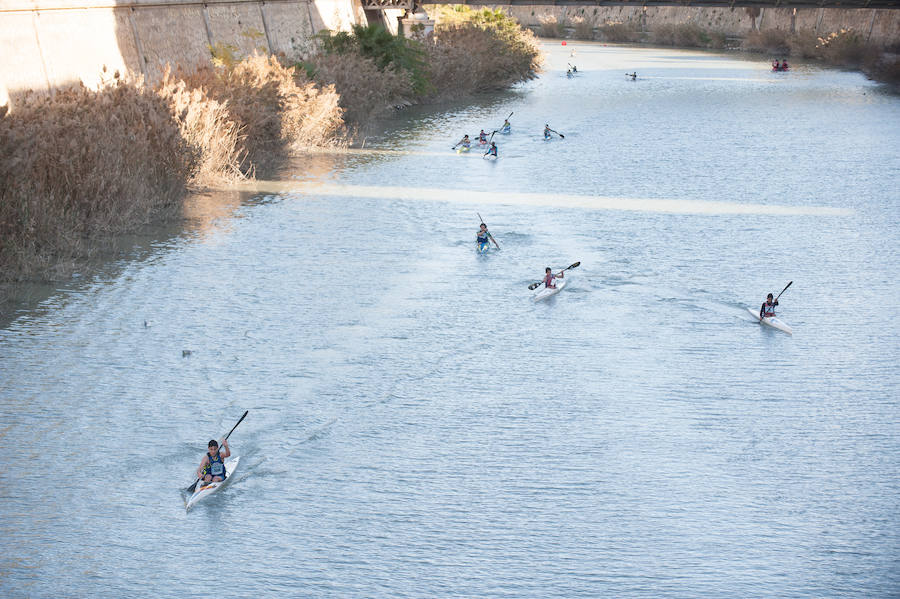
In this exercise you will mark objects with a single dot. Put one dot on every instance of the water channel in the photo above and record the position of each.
(419, 427)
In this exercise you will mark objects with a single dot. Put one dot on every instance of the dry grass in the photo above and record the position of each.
(552, 27)
(277, 108)
(584, 28)
(687, 35)
(365, 91)
(213, 138)
(619, 32)
(80, 165)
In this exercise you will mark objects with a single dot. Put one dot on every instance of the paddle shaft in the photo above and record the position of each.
(783, 290)
(491, 237)
(225, 438)
(557, 132)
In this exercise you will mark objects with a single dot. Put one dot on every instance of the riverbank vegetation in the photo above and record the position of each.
(469, 51)
(81, 166)
(846, 48)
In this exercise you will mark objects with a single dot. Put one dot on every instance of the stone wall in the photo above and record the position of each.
(881, 27)
(47, 44)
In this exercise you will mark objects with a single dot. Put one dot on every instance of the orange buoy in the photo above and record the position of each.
(564, 43)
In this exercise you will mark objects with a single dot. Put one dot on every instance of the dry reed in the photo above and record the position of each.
(80, 165)
(277, 108)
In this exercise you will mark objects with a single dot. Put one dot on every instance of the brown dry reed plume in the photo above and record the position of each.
(278, 110)
(81, 164)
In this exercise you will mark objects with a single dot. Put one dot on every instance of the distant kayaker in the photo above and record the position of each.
(212, 466)
(547, 131)
(492, 151)
(768, 307)
(482, 137)
(549, 277)
(784, 65)
(465, 142)
(484, 236)
(632, 75)
(506, 126)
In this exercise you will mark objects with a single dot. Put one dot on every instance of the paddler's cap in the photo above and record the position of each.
(213, 443)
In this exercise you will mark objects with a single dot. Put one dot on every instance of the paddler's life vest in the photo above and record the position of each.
(548, 281)
(216, 466)
(767, 309)
(482, 239)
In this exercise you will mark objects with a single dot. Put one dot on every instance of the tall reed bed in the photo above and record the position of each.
(80, 166)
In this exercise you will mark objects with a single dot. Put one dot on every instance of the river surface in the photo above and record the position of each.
(419, 427)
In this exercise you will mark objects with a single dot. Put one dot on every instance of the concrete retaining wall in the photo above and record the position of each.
(881, 27)
(48, 44)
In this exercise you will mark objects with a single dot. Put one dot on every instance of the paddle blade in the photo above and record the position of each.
(534, 286)
(561, 136)
(576, 265)
(193, 486)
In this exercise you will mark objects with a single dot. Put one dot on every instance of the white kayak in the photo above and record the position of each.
(544, 292)
(204, 490)
(772, 321)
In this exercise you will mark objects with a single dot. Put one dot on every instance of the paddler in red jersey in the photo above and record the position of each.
(212, 466)
(768, 307)
(549, 276)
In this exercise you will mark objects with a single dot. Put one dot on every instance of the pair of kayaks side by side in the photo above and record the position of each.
(772, 321)
(204, 490)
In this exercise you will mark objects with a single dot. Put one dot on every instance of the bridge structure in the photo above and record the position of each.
(412, 5)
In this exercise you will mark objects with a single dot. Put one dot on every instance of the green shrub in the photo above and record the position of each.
(384, 48)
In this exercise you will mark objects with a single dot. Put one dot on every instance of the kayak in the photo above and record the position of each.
(544, 292)
(506, 129)
(772, 321)
(462, 149)
(483, 248)
(204, 490)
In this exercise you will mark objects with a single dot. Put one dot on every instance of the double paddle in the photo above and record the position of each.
(561, 136)
(225, 438)
(534, 286)
(491, 237)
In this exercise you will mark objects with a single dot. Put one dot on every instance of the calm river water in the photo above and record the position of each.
(419, 427)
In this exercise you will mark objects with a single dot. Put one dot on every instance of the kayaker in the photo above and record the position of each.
(549, 276)
(546, 131)
(784, 65)
(212, 466)
(465, 142)
(492, 151)
(632, 75)
(484, 236)
(482, 137)
(768, 307)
